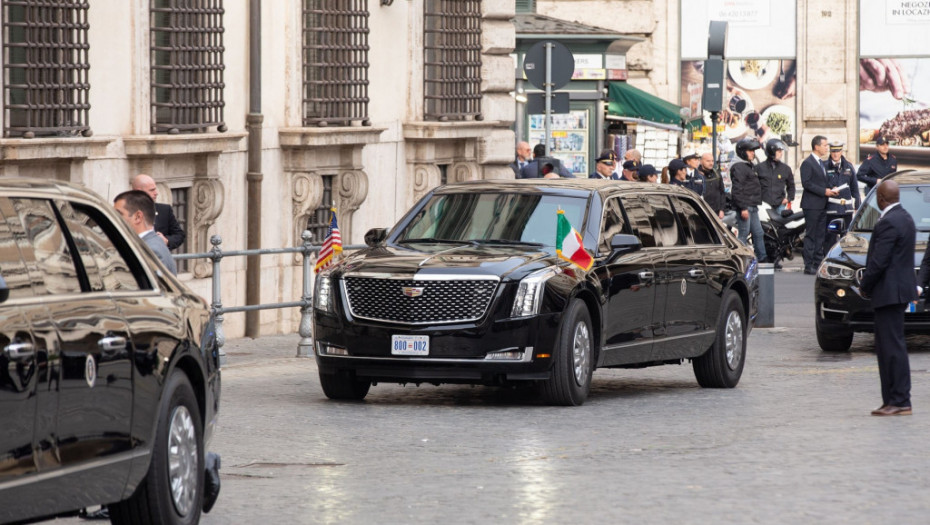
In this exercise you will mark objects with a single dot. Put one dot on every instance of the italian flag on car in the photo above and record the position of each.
(569, 245)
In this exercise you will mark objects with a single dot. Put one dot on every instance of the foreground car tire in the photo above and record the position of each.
(832, 338)
(172, 491)
(573, 366)
(722, 365)
(344, 387)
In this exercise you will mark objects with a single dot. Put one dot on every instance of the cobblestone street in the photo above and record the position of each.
(793, 443)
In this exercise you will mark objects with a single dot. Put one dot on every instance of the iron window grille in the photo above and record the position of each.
(187, 65)
(452, 59)
(526, 6)
(318, 224)
(45, 68)
(335, 62)
(179, 205)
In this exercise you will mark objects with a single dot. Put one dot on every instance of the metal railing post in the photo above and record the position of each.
(216, 254)
(305, 346)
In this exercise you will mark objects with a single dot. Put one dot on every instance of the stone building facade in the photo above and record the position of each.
(826, 37)
(372, 164)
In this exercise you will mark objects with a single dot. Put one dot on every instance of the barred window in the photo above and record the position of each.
(318, 224)
(526, 6)
(187, 65)
(179, 200)
(335, 55)
(452, 59)
(45, 66)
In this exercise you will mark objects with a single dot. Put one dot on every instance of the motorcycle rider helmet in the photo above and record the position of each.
(745, 145)
(773, 145)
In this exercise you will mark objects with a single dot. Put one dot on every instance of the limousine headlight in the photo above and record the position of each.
(829, 270)
(323, 293)
(529, 294)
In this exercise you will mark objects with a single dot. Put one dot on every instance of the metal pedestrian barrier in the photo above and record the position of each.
(216, 254)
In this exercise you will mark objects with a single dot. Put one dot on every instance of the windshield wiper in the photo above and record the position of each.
(507, 241)
(433, 240)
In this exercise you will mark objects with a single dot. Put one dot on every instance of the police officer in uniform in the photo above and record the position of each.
(604, 166)
(877, 165)
(841, 174)
(776, 177)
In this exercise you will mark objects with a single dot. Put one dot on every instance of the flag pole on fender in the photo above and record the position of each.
(569, 245)
(332, 245)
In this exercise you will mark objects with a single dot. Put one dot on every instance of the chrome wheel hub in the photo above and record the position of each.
(581, 353)
(182, 460)
(734, 340)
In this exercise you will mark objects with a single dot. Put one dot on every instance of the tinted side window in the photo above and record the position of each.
(102, 247)
(696, 222)
(12, 268)
(639, 221)
(663, 222)
(613, 224)
(50, 257)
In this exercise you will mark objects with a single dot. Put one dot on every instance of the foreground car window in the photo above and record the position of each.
(468, 217)
(50, 251)
(914, 199)
(12, 268)
(101, 246)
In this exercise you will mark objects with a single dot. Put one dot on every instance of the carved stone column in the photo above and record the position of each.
(207, 197)
(351, 189)
(425, 178)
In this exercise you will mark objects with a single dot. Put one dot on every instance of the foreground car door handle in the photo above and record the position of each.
(695, 273)
(646, 276)
(112, 344)
(19, 352)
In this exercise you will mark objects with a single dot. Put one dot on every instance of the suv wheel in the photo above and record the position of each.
(344, 386)
(832, 337)
(570, 380)
(172, 491)
(722, 365)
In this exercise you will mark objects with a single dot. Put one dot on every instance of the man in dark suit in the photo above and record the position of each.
(166, 225)
(814, 203)
(523, 158)
(533, 170)
(889, 281)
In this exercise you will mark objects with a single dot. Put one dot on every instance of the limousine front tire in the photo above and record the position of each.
(722, 365)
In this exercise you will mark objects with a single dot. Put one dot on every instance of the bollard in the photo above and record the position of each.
(766, 315)
(305, 346)
(217, 307)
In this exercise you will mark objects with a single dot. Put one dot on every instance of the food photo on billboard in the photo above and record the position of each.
(894, 102)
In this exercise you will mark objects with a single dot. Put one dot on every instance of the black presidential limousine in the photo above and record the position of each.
(468, 288)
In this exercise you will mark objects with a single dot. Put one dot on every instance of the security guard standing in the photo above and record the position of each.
(777, 180)
(840, 175)
(877, 165)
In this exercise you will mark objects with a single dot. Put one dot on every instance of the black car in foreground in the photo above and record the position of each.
(109, 373)
(840, 309)
(468, 288)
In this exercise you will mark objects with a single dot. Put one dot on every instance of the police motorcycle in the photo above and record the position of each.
(784, 233)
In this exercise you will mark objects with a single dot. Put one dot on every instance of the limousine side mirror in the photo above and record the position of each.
(623, 243)
(4, 291)
(375, 237)
(836, 226)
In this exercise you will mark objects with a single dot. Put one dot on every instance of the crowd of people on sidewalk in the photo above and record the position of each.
(829, 184)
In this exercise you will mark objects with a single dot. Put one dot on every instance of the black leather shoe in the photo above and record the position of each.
(808, 271)
(889, 410)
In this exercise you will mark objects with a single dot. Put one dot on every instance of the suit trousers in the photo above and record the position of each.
(894, 369)
(815, 223)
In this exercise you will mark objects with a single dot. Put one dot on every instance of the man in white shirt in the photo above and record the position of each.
(139, 211)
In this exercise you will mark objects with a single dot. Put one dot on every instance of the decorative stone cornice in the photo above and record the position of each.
(53, 148)
(428, 130)
(183, 144)
(327, 136)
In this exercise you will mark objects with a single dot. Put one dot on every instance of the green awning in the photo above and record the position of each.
(627, 101)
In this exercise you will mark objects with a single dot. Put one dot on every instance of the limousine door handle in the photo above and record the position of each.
(695, 273)
(19, 352)
(646, 275)
(111, 344)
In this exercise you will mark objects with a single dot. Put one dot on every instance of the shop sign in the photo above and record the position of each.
(907, 12)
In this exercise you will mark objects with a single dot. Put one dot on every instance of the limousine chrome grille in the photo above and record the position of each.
(419, 301)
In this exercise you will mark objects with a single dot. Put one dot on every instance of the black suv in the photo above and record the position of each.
(841, 310)
(109, 373)
(468, 288)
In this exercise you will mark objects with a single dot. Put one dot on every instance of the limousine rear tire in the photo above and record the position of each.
(573, 365)
(172, 491)
(343, 386)
(722, 365)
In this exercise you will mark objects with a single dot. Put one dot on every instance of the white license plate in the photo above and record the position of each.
(410, 345)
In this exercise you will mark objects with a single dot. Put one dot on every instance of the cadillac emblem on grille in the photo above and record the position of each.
(413, 291)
